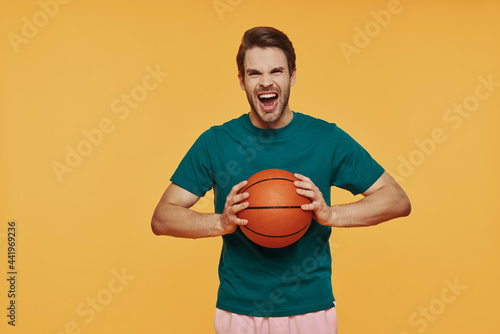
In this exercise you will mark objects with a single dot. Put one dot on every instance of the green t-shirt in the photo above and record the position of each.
(296, 279)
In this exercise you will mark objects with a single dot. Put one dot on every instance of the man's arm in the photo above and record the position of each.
(383, 201)
(174, 217)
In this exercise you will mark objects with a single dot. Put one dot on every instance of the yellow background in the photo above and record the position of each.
(76, 234)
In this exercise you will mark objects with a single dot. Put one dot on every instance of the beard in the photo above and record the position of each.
(272, 115)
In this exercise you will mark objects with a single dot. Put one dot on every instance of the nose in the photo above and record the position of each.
(266, 81)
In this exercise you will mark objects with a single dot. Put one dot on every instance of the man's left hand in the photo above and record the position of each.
(321, 211)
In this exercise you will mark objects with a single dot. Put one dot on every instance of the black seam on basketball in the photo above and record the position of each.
(270, 179)
(274, 207)
(277, 236)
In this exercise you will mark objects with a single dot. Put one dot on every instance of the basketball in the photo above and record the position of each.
(275, 218)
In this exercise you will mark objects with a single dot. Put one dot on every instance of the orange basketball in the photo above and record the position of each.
(275, 218)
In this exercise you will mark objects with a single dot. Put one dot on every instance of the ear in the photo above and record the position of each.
(242, 81)
(293, 77)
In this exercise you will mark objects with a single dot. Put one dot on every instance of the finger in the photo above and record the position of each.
(239, 221)
(238, 198)
(302, 177)
(304, 185)
(308, 207)
(238, 207)
(306, 193)
(234, 190)
(237, 187)
(304, 182)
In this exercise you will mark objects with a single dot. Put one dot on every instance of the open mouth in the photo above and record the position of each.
(268, 101)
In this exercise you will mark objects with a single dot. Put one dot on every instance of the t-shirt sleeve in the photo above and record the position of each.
(353, 168)
(194, 172)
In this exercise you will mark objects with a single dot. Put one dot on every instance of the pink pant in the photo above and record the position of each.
(322, 322)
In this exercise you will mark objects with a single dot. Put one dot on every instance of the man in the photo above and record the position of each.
(285, 290)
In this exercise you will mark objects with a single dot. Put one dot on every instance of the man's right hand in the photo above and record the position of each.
(229, 220)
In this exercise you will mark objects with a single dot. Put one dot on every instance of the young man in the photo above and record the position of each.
(285, 290)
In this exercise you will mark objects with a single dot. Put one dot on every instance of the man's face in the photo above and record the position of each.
(267, 83)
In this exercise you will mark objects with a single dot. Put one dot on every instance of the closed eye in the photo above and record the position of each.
(252, 72)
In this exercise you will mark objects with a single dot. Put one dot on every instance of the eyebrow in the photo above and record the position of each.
(251, 70)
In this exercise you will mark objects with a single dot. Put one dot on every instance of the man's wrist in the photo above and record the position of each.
(333, 216)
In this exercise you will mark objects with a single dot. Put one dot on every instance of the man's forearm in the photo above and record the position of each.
(178, 221)
(384, 204)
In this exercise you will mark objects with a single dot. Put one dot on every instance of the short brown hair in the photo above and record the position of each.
(264, 37)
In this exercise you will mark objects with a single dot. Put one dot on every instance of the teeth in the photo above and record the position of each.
(267, 96)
